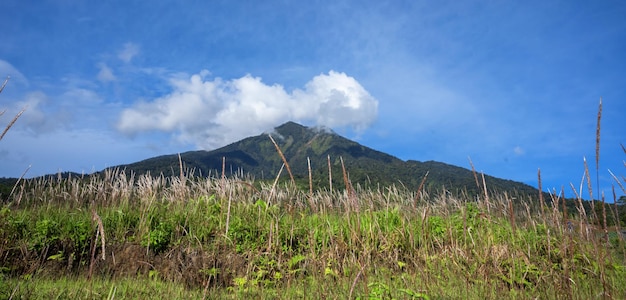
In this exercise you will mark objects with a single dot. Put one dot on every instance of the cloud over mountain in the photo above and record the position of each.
(214, 112)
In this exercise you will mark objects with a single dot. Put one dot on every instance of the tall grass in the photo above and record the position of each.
(222, 236)
(193, 237)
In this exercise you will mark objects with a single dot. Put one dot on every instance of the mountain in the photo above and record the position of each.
(257, 156)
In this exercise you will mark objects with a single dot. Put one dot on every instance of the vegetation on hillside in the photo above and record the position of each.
(325, 151)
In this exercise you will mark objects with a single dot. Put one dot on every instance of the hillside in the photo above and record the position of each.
(256, 156)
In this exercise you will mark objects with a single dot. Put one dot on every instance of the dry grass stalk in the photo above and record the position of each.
(418, 195)
(598, 145)
(223, 168)
(180, 166)
(230, 198)
(618, 182)
(273, 190)
(330, 174)
(567, 253)
(346, 181)
(604, 225)
(588, 179)
(6, 129)
(356, 279)
(474, 172)
(282, 156)
(594, 216)
(12, 122)
(5, 83)
(486, 196)
(97, 219)
(565, 221)
(99, 233)
(511, 212)
(618, 225)
(541, 201)
(311, 198)
(308, 162)
(17, 183)
(602, 254)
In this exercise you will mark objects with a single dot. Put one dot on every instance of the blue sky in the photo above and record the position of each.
(515, 85)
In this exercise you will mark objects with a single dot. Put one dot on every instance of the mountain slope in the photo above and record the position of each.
(257, 156)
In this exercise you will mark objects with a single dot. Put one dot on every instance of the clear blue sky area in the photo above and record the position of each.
(513, 85)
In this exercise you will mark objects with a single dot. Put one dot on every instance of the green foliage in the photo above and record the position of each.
(77, 229)
(295, 263)
(437, 226)
(246, 234)
(46, 232)
(159, 236)
(120, 223)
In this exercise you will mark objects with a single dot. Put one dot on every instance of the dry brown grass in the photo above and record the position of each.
(17, 116)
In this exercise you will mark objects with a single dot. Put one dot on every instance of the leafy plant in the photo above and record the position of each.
(46, 232)
(158, 239)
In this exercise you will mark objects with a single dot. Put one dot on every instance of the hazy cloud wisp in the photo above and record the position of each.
(105, 74)
(212, 113)
(129, 52)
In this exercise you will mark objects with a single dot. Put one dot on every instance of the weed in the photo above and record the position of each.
(158, 239)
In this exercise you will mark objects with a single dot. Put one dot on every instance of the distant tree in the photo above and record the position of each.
(621, 200)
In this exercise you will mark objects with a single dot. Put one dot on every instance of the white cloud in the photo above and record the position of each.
(213, 113)
(129, 51)
(518, 151)
(105, 74)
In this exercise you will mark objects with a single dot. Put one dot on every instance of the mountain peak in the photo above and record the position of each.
(297, 131)
(293, 128)
(290, 124)
(290, 128)
(319, 149)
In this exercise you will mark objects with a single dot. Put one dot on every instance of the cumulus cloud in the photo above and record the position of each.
(211, 113)
(129, 51)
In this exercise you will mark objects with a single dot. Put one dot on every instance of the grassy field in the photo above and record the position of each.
(120, 237)
(117, 236)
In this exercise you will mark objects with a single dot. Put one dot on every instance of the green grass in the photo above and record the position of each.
(230, 239)
(81, 288)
